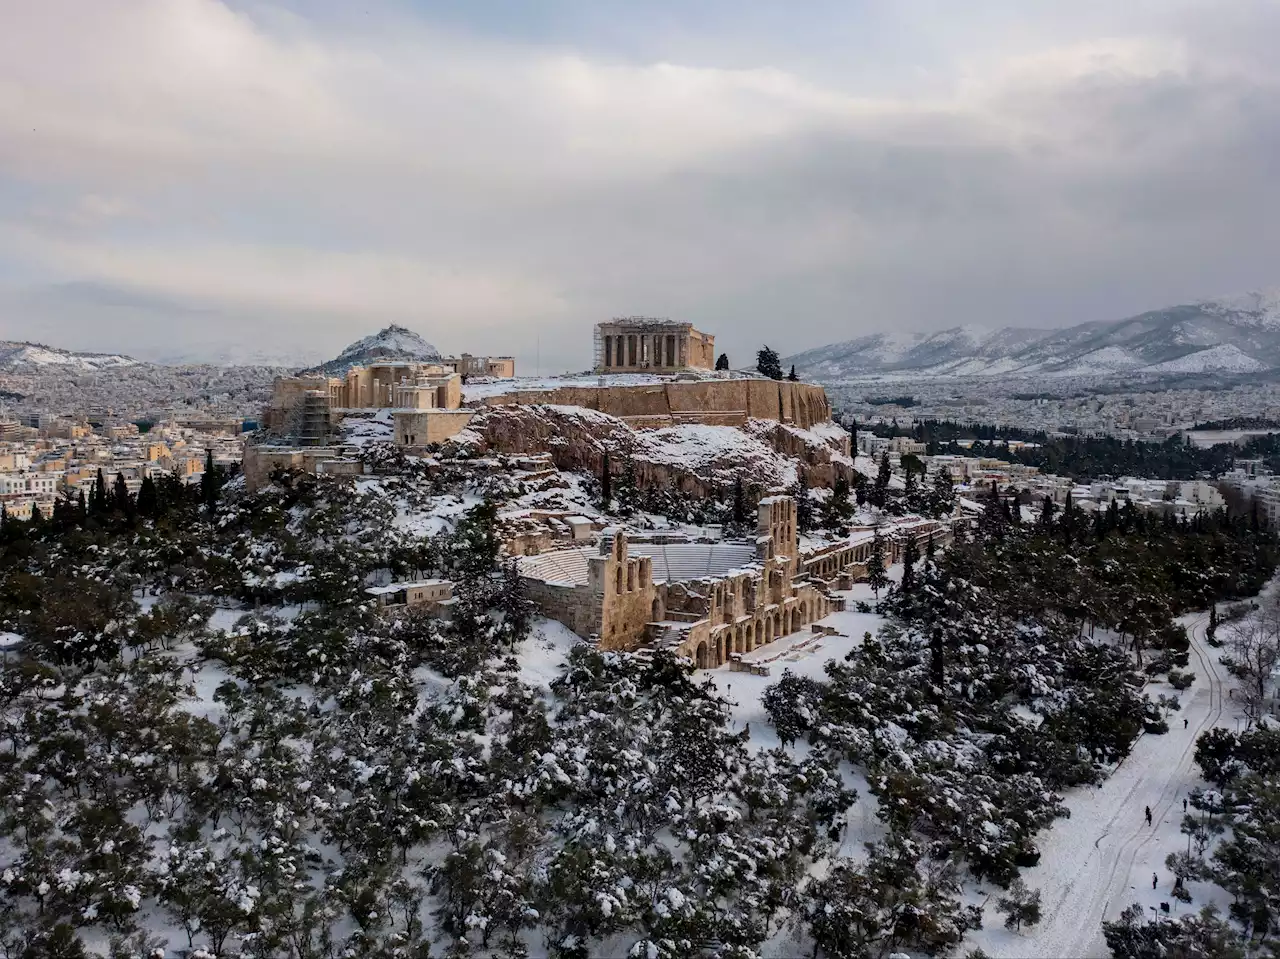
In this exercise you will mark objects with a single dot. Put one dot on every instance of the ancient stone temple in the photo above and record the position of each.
(633, 344)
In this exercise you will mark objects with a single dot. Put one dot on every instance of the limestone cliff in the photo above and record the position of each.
(693, 457)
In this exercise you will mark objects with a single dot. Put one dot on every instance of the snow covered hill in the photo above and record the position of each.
(392, 343)
(1228, 334)
(16, 357)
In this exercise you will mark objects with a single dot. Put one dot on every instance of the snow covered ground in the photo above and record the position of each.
(1101, 860)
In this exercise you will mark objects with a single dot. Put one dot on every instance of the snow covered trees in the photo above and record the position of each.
(768, 364)
(892, 902)
(1021, 907)
(877, 571)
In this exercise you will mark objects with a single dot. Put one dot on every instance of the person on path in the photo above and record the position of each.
(1148, 811)
(1184, 805)
(1155, 880)
(1184, 723)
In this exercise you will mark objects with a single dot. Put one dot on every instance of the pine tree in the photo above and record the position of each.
(877, 575)
(627, 492)
(768, 364)
(722, 361)
(36, 525)
(1211, 631)
(792, 375)
(81, 506)
(1021, 907)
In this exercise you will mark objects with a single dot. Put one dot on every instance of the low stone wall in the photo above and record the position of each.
(713, 402)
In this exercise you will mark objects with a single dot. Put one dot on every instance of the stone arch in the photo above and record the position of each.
(740, 640)
(700, 655)
(618, 583)
(656, 611)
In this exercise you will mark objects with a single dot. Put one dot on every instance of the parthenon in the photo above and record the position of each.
(631, 344)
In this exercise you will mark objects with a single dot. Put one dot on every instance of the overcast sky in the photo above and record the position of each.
(191, 176)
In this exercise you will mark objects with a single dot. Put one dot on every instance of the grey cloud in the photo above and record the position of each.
(500, 196)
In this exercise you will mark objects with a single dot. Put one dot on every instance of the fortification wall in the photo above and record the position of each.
(713, 402)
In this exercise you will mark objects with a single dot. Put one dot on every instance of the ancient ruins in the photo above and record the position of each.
(646, 344)
(709, 601)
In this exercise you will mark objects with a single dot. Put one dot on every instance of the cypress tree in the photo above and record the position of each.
(148, 498)
(910, 554)
(792, 375)
(120, 498)
(804, 506)
(722, 361)
(209, 485)
(877, 577)
(880, 491)
(98, 494)
(768, 364)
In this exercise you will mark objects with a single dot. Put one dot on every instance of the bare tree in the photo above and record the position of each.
(1253, 645)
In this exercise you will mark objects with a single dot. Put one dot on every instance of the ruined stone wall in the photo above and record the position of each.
(705, 401)
(576, 607)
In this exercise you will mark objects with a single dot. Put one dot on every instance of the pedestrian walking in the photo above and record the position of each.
(1184, 723)
(1155, 880)
(1148, 811)
(1184, 805)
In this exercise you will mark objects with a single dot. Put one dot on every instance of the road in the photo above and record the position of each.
(1101, 860)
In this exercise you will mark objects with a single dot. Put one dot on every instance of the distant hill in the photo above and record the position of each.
(16, 357)
(1231, 334)
(393, 343)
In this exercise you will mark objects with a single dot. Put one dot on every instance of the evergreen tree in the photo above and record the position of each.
(768, 364)
(1211, 631)
(606, 483)
(210, 482)
(804, 505)
(877, 574)
(880, 490)
(1047, 510)
(929, 548)
(120, 498)
(148, 498)
(722, 361)
(628, 493)
(98, 494)
(36, 524)
(910, 556)
(1021, 906)
(792, 375)
(943, 498)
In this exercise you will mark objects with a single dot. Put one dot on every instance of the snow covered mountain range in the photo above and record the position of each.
(1232, 334)
(392, 343)
(18, 357)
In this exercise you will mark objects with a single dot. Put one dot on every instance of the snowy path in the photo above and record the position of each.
(1100, 861)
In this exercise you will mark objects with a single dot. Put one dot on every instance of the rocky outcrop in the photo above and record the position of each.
(694, 458)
